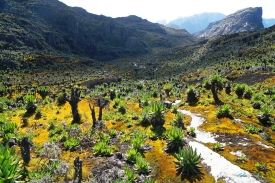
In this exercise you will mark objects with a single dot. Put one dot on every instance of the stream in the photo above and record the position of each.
(220, 167)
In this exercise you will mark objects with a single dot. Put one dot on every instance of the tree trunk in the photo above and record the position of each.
(214, 91)
(93, 115)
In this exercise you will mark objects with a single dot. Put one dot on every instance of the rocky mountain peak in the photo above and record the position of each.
(248, 19)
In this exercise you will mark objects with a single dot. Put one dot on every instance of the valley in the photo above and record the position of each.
(138, 102)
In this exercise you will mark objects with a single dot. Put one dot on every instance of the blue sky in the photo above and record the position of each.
(154, 10)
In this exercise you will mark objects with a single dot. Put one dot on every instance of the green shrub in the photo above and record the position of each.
(130, 174)
(102, 148)
(187, 161)
(113, 133)
(217, 146)
(174, 109)
(251, 129)
(157, 110)
(191, 132)
(261, 166)
(61, 98)
(179, 120)
(136, 143)
(29, 100)
(239, 89)
(9, 169)
(175, 139)
(132, 155)
(71, 143)
(142, 166)
(224, 111)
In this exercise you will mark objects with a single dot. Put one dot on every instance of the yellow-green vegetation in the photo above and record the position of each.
(85, 119)
(130, 127)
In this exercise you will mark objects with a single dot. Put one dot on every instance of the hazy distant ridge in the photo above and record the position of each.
(198, 22)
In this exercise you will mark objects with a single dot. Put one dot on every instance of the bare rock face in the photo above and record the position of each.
(249, 19)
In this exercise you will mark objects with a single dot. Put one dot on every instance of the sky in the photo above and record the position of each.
(154, 10)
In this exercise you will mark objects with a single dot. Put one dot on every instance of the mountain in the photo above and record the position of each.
(248, 19)
(163, 22)
(196, 22)
(268, 22)
(49, 27)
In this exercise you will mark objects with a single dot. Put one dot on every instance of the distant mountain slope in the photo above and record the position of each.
(268, 22)
(196, 22)
(40, 27)
(248, 19)
(156, 35)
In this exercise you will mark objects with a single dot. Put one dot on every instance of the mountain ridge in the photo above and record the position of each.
(248, 19)
(49, 27)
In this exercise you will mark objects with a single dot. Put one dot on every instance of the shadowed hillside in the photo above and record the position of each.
(49, 27)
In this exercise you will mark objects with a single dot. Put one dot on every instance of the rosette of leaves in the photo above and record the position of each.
(192, 96)
(239, 90)
(30, 103)
(187, 161)
(10, 169)
(216, 85)
(132, 155)
(43, 91)
(142, 166)
(71, 143)
(157, 110)
(175, 139)
(224, 111)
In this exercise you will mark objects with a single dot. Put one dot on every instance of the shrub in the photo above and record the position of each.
(191, 132)
(174, 109)
(179, 120)
(224, 111)
(116, 102)
(103, 149)
(113, 133)
(251, 129)
(175, 139)
(142, 166)
(239, 90)
(71, 143)
(157, 110)
(132, 155)
(9, 169)
(261, 166)
(217, 146)
(130, 174)
(187, 161)
(192, 95)
(30, 103)
(61, 98)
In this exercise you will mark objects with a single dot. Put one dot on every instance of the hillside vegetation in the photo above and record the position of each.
(167, 105)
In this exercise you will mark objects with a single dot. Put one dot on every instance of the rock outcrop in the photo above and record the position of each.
(249, 19)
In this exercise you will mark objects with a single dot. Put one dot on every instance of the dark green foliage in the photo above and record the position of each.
(43, 91)
(61, 98)
(224, 111)
(187, 161)
(30, 103)
(10, 169)
(239, 90)
(192, 95)
(157, 110)
(142, 166)
(216, 85)
(175, 139)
